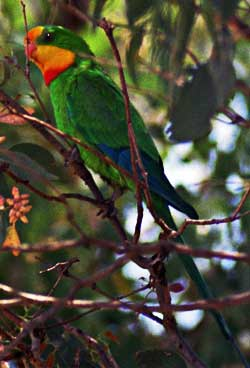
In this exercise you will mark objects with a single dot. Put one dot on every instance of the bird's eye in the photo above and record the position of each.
(48, 37)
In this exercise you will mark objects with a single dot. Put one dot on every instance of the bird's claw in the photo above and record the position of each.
(108, 209)
(72, 156)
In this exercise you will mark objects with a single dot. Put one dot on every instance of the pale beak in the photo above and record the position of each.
(30, 47)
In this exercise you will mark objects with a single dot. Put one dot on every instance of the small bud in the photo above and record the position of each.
(176, 287)
(15, 193)
(26, 209)
(24, 219)
(19, 206)
(10, 201)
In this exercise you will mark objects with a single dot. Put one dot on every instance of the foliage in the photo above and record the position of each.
(187, 68)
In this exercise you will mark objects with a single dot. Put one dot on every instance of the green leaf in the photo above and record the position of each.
(190, 116)
(199, 99)
(184, 25)
(159, 359)
(25, 168)
(37, 153)
(221, 68)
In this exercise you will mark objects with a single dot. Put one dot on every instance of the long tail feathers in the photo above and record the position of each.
(198, 279)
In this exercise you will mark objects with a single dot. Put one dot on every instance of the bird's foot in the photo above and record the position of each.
(108, 208)
(117, 193)
(72, 156)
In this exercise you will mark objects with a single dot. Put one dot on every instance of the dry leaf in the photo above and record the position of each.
(12, 239)
(9, 118)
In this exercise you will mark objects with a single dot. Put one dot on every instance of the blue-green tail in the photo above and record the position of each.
(195, 275)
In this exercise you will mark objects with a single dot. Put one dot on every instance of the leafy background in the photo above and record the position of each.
(189, 89)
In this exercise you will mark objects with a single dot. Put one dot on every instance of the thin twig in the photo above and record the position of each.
(134, 151)
(27, 67)
(104, 354)
(166, 246)
(24, 298)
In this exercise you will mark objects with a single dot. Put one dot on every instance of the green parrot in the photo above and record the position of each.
(89, 105)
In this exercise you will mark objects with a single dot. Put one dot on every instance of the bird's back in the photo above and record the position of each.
(90, 106)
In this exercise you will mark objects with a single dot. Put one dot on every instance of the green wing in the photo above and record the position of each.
(100, 118)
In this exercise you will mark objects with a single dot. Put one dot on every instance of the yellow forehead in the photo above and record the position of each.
(35, 32)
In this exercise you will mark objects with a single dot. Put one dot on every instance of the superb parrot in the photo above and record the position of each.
(89, 105)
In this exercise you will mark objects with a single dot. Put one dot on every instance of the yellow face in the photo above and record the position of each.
(51, 60)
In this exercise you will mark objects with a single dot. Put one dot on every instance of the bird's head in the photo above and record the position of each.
(53, 49)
